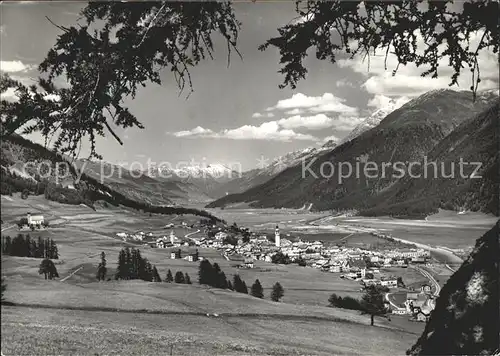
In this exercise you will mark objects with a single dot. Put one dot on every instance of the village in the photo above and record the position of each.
(360, 265)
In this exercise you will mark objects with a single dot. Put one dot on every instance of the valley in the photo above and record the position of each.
(141, 308)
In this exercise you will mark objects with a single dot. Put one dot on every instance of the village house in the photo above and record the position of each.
(175, 254)
(36, 220)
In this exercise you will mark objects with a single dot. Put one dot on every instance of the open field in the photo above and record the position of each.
(44, 331)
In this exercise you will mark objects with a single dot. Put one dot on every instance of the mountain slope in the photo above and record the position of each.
(465, 319)
(405, 135)
(373, 120)
(259, 176)
(474, 142)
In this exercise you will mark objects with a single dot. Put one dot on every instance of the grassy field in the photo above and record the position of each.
(41, 331)
(158, 315)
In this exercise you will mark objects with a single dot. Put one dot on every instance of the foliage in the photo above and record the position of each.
(461, 322)
(169, 278)
(131, 265)
(48, 269)
(101, 269)
(25, 246)
(301, 262)
(344, 303)
(3, 289)
(120, 47)
(280, 258)
(257, 290)
(400, 282)
(187, 279)
(372, 302)
(239, 285)
(277, 292)
(179, 277)
(362, 27)
(230, 240)
(212, 275)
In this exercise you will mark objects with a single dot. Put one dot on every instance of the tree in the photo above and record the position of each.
(101, 268)
(121, 269)
(48, 269)
(156, 275)
(301, 262)
(335, 300)
(229, 285)
(25, 194)
(3, 289)
(400, 282)
(280, 258)
(169, 278)
(277, 292)
(179, 277)
(205, 273)
(133, 43)
(423, 35)
(372, 303)
(257, 290)
(239, 285)
(187, 279)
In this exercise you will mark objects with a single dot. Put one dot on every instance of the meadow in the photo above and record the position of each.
(163, 315)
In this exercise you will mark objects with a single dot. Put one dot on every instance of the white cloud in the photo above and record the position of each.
(270, 131)
(408, 82)
(299, 103)
(294, 112)
(14, 66)
(256, 115)
(269, 114)
(344, 83)
(330, 138)
(267, 131)
(197, 132)
(319, 121)
(382, 102)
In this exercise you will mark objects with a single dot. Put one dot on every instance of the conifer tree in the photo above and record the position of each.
(169, 278)
(187, 279)
(179, 277)
(277, 292)
(257, 290)
(101, 269)
(121, 269)
(3, 289)
(205, 273)
(156, 275)
(48, 269)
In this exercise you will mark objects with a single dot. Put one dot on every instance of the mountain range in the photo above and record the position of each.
(441, 126)
(408, 134)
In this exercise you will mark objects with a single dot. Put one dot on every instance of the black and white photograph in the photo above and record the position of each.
(250, 177)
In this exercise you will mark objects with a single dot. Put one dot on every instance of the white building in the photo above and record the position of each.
(277, 239)
(36, 220)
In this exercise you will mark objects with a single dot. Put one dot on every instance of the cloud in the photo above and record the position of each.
(14, 66)
(256, 115)
(344, 83)
(270, 131)
(408, 82)
(294, 112)
(196, 132)
(316, 104)
(330, 138)
(316, 122)
(382, 102)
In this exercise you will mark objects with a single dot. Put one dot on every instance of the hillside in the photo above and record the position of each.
(475, 140)
(465, 320)
(28, 166)
(405, 135)
(373, 120)
(141, 187)
(255, 177)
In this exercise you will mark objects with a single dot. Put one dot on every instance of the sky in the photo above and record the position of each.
(236, 115)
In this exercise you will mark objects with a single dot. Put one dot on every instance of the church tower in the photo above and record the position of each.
(277, 236)
(172, 237)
